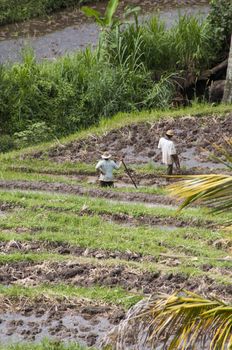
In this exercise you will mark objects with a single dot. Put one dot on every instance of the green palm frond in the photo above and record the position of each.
(214, 189)
(184, 320)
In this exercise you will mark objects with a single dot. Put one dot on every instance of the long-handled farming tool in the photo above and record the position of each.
(129, 174)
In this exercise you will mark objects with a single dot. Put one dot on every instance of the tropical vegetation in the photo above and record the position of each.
(215, 190)
(185, 320)
(131, 69)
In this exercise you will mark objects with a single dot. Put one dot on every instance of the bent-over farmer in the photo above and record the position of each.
(105, 167)
(169, 154)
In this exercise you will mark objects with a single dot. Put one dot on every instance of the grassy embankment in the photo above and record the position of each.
(17, 11)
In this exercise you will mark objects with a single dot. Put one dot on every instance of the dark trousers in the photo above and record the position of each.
(106, 183)
(170, 169)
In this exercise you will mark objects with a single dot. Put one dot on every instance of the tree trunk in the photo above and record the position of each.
(227, 97)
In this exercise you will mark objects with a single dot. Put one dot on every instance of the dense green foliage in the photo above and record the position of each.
(130, 70)
(76, 91)
(15, 11)
(220, 21)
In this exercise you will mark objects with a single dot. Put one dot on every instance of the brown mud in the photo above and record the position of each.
(88, 275)
(194, 137)
(87, 322)
(100, 254)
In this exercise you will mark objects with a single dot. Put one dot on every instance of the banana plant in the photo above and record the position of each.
(186, 320)
(106, 20)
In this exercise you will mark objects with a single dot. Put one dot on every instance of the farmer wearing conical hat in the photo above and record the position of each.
(169, 154)
(105, 167)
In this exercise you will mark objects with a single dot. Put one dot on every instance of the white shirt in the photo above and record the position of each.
(168, 149)
(106, 167)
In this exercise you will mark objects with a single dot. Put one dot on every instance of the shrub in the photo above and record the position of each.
(190, 43)
(6, 143)
(35, 133)
(185, 46)
(20, 10)
(161, 94)
(220, 21)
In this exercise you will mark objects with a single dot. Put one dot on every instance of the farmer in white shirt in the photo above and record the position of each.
(105, 167)
(169, 154)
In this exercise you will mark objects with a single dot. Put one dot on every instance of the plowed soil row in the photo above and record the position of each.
(138, 142)
(87, 275)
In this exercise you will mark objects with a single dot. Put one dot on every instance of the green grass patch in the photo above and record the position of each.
(75, 204)
(115, 296)
(45, 345)
(96, 232)
(11, 11)
(62, 218)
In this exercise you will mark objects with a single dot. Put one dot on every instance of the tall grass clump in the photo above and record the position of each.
(72, 93)
(190, 44)
(186, 45)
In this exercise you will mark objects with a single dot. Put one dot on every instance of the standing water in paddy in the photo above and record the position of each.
(72, 31)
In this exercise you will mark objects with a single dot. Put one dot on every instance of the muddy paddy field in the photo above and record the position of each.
(75, 258)
(70, 30)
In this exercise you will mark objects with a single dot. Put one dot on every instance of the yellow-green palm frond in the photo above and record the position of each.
(184, 320)
(214, 190)
(224, 152)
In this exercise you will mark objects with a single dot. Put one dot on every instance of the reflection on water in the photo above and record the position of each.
(16, 327)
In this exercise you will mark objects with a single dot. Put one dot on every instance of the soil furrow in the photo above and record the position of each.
(138, 142)
(87, 275)
(82, 191)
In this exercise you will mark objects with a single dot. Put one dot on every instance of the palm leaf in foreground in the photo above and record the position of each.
(186, 319)
(214, 189)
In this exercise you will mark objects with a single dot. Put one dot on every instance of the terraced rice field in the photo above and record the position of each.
(74, 258)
